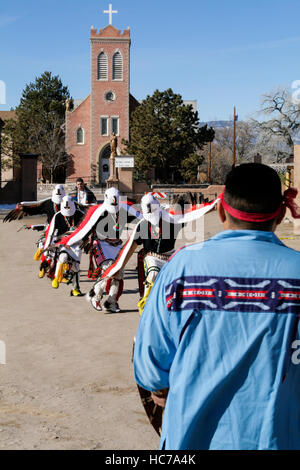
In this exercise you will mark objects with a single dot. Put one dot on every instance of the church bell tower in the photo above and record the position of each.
(110, 94)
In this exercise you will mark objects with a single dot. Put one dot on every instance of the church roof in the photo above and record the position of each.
(110, 32)
(78, 102)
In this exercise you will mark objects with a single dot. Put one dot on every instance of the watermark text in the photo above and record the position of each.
(2, 352)
(296, 354)
(296, 93)
(2, 92)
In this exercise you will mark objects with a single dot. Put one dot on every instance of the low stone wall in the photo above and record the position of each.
(208, 191)
(44, 190)
(48, 188)
(213, 189)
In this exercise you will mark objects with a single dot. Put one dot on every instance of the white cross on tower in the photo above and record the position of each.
(110, 12)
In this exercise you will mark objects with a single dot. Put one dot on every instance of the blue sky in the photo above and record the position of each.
(221, 53)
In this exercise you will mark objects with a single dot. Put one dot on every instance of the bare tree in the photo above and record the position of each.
(278, 132)
(246, 135)
(48, 138)
(221, 163)
(39, 124)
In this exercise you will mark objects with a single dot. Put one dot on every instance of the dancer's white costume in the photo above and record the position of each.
(108, 220)
(157, 232)
(66, 221)
(49, 207)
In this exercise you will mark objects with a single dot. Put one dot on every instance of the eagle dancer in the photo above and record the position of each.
(103, 227)
(157, 232)
(63, 222)
(49, 207)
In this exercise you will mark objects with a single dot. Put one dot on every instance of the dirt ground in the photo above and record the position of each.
(68, 380)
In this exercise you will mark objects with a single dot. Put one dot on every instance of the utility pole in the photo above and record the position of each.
(1, 127)
(235, 117)
(209, 162)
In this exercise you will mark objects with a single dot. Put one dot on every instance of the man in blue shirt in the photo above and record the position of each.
(221, 327)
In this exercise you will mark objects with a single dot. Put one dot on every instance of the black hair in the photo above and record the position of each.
(256, 188)
(79, 180)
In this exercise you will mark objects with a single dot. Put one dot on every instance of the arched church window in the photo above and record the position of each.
(102, 66)
(117, 66)
(106, 152)
(80, 136)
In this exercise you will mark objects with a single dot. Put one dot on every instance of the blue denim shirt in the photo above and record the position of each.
(219, 329)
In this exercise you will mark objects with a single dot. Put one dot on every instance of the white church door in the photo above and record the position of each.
(104, 165)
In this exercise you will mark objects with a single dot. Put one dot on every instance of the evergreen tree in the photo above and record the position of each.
(165, 136)
(40, 123)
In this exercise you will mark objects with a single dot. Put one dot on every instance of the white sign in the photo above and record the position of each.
(124, 162)
(2, 352)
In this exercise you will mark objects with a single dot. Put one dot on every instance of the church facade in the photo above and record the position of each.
(106, 110)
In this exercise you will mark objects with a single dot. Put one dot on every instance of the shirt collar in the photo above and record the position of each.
(248, 235)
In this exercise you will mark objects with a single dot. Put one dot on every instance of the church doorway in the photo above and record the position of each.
(104, 169)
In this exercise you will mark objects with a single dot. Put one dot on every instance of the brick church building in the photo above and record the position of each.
(106, 110)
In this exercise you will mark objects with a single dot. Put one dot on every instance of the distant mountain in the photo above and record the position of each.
(217, 124)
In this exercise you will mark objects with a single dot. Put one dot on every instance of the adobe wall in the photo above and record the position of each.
(24, 187)
(10, 192)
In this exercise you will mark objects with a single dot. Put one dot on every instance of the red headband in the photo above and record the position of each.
(288, 201)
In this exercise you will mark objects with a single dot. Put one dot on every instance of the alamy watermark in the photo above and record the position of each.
(296, 93)
(2, 352)
(2, 92)
(174, 225)
(296, 354)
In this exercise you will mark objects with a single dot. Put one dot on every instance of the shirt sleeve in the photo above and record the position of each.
(154, 348)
